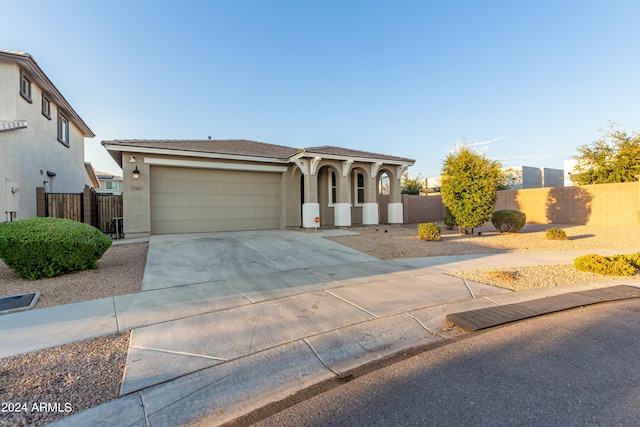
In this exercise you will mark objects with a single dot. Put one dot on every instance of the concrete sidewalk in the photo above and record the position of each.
(215, 350)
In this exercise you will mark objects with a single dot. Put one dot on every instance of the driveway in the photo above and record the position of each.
(186, 259)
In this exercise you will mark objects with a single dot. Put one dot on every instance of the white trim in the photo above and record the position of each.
(149, 150)
(395, 213)
(360, 159)
(346, 164)
(213, 165)
(370, 213)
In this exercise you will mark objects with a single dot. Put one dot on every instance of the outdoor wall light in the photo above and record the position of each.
(45, 182)
(132, 159)
(136, 173)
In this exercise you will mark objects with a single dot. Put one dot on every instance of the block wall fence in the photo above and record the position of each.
(600, 204)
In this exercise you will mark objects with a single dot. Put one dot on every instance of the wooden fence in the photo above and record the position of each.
(89, 207)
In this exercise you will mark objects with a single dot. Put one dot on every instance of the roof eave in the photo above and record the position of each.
(114, 148)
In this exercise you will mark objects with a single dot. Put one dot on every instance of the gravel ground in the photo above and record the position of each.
(74, 376)
(119, 272)
(402, 242)
(88, 373)
(40, 387)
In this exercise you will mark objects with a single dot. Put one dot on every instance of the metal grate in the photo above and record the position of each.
(18, 302)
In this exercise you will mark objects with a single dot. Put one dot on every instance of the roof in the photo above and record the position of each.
(347, 152)
(29, 65)
(245, 148)
(234, 147)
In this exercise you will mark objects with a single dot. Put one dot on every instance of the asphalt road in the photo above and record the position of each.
(574, 368)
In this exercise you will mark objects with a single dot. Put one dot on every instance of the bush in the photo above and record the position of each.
(556, 234)
(615, 265)
(507, 221)
(38, 248)
(429, 231)
(449, 222)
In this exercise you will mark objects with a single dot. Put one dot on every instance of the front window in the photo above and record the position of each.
(46, 107)
(359, 188)
(63, 129)
(333, 189)
(25, 87)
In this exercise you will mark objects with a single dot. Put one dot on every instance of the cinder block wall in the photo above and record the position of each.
(601, 204)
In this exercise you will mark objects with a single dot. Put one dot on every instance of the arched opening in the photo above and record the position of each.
(383, 196)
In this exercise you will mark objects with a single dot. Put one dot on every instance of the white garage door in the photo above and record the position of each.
(187, 200)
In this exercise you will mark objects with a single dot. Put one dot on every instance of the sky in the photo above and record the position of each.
(523, 82)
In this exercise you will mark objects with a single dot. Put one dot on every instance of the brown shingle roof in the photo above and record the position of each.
(339, 151)
(243, 147)
(238, 147)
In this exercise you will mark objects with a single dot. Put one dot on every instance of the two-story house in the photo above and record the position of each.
(41, 138)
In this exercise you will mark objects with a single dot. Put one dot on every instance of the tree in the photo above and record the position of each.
(410, 186)
(613, 158)
(469, 187)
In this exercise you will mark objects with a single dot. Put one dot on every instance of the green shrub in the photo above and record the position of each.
(38, 248)
(615, 265)
(556, 234)
(507, 221)
(429, 231)
(449, 222)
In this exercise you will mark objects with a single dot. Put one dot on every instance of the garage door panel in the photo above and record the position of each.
(201, 200)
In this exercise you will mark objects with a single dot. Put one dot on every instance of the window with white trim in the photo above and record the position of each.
(25, 87)
(112, 185)
(46, 107)
(333, 189)
(63, 129)
(358, 188)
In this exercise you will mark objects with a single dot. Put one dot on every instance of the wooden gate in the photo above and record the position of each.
(108, 208)
(64, 205)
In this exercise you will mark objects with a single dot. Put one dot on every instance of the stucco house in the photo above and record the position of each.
(109, 183)
(41, 138)
(188, 186)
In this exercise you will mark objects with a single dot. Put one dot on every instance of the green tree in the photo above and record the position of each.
(613, 158)
(469, 187)
(410, 186)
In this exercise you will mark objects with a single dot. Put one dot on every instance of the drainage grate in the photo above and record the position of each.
(18, 302)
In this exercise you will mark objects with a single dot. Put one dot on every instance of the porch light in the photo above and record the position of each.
(136, 173)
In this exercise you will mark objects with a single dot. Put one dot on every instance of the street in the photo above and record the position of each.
(578, 367)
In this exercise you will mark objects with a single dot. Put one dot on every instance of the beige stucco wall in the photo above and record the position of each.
(27, 152)
(601, 204)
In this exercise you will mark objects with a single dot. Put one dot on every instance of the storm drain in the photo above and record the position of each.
(483, 318)
(18, 302)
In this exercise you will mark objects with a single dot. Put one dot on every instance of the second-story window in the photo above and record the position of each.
(46, 107)
(25, 87)
(63, 129)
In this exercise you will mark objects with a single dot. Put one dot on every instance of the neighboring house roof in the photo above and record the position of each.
(27, 62)
(107, 175)
(92, 175)
(241, 148)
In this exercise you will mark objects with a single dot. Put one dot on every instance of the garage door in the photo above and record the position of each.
(187, 200)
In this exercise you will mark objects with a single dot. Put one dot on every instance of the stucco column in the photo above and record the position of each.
(395, 208)
(370, 205)
(342, 209)
(310, 207)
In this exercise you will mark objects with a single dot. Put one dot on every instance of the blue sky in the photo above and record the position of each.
(526, 82)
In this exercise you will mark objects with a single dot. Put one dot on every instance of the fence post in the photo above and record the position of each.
(41, 202)
(88, 207)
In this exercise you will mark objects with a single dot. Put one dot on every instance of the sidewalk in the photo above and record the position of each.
(216, 351)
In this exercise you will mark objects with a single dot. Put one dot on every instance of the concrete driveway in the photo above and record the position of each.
(176, 260)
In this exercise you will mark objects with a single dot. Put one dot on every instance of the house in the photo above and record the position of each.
(109, 183)
(533, 177)
(41, 138)
(189, 186)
